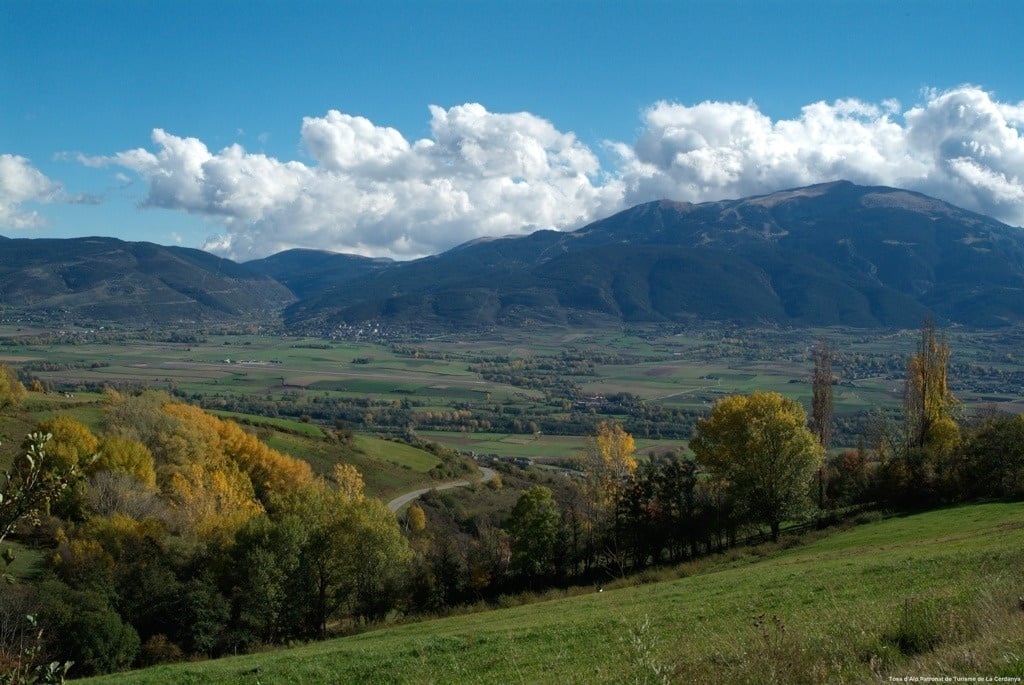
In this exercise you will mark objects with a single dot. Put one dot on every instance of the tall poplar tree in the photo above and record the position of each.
(821, 393)
(927, 402)
(822, 405)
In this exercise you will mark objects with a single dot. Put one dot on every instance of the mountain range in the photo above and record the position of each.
(828, 254)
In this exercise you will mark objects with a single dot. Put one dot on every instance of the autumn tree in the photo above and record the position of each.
(759, 444)
(607, 462)
(71, 443)
(122, 455)
(211, 500)
(12, 391)
(914, 463)
(350, 482)
(928, 405)
(608, 459)
(72, 446)
(31, 484)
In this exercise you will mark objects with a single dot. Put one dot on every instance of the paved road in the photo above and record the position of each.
(400, 501)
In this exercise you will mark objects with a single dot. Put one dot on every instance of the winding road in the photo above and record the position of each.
(400, 501)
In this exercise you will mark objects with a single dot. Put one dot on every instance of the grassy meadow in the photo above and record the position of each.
(934, 594)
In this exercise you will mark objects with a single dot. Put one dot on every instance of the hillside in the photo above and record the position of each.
(933, 594)
(109, 280)
(310, 272)
(830, 254)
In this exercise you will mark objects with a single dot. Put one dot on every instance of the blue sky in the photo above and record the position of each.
(250, 127)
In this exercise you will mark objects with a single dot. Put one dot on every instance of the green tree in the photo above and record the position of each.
(82, 626)
(822, 405)
(992, 460)
(533, 531)
(760, 446)
(375, 556)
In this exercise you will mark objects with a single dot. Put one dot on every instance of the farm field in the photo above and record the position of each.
(932, 594)
(513, 393)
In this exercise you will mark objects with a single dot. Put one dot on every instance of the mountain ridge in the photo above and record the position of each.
(111, 280)
(829, 254)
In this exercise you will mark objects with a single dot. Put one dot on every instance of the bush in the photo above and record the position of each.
(159, 650)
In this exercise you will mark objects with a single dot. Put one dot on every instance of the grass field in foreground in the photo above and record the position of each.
(926, 595)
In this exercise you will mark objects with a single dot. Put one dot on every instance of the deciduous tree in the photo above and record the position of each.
(821, 393)
(533, 530)
(12, 391)
(760, 446)
(927, 402)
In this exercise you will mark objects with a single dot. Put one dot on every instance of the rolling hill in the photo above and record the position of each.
(109, 280)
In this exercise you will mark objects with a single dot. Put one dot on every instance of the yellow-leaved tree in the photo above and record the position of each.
(123, 455)
(71, 444)
(928, 405)
(212, 501)
(12, 391)
(759, 445)
(608, 461)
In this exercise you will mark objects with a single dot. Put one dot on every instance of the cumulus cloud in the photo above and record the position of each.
(960, 145)
(367, 189)
(22, 183)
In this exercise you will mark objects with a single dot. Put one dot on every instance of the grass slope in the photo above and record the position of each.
(925, 595)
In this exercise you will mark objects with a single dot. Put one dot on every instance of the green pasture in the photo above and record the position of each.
(405, 456)
(840, 609)
(388, 468)
(301, 427)
(27, 560)
(509, 445)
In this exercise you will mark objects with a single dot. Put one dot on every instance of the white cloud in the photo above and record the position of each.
(960, 145)
(369, 190)
(21, 183)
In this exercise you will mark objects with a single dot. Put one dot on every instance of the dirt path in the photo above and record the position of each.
(400, 501)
